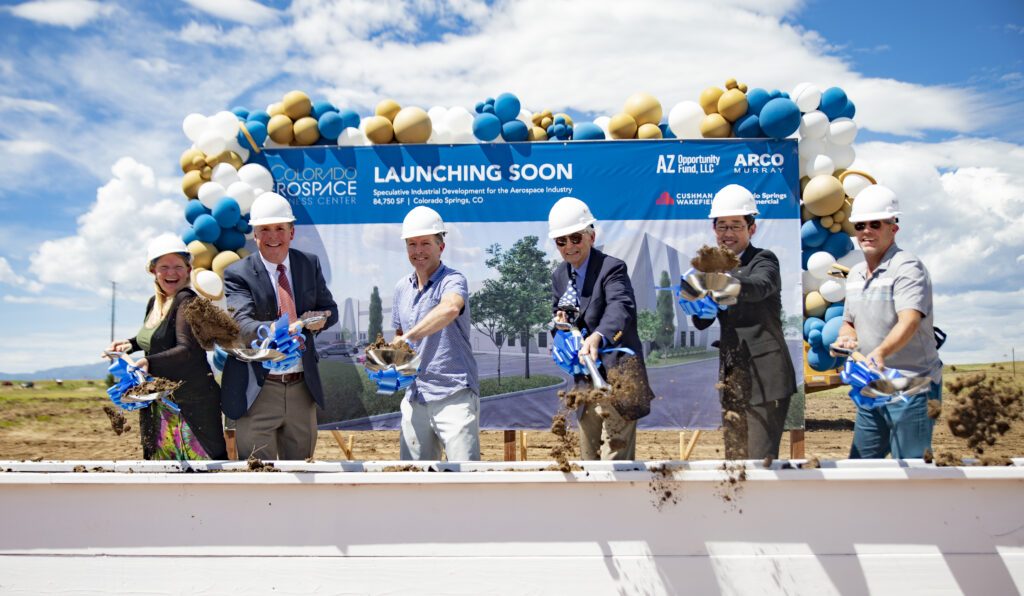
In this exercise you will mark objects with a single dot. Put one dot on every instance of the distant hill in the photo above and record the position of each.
(81, 371)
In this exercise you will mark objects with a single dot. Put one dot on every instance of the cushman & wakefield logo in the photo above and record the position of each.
(758, 163)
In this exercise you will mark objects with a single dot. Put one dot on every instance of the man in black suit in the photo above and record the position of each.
(754, 364)
(275, 411)
(598, 286)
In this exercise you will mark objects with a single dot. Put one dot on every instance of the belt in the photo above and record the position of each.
(286, 378)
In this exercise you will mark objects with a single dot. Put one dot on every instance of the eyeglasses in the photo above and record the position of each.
(735, 228)
(575, 238)
(875, 225)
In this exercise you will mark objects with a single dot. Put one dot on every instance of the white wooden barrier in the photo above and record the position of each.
(880, 527)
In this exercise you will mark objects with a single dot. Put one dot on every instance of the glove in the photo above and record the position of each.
(705, 308)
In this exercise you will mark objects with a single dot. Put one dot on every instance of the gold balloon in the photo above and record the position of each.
(306, 131)
(826, 221)
(235, 159)
(226, 156)
(412, 125)
(546, 121)
(206, 173)
(742, 87)
(814, 304)
(222, 260)
(242, 253)
(709, 99)
(199, 289)
(715, 126)
(295, 105)
(834, 228)
(732, 104)
(202, 254)
(192, 159)
(805, 215)
(191, 182)
(280, 130)
(379, 130)
(274, 109)
(803, 183)
(622, 126)
(536, 133)
(566, 117)
(823, 195)
(644, 108)
(839, 216)
(731, 84)
(388, 108)
(648, 131)
(847, 226)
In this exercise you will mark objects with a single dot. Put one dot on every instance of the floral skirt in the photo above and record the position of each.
(166, 435)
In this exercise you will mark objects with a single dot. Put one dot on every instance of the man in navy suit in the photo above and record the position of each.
(275, 412)
(605, 310)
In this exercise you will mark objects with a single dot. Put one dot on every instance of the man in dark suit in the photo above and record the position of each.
(754, 364)
(605, 307)
(275, 412)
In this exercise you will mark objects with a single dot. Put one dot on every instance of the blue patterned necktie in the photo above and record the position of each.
(570, 299)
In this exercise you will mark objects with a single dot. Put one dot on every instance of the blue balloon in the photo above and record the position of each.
(833, 102)
(820, 360)
(834, 311)
(550, 130)
(780, 118)
(258, 132)
(830, 332)
(506, 107)
(775, 93)
(206, 228)
(230, 239)
(514, 131)
(849, 110)
(666, 131)
(559, 120)
(813, 234)
(240, 112)
(243, 225)
(226, 212)
(489, 101)
(349, 118)
(189, 235)
(838, 244)
(479, 107)
(814, 338)
(488, 109)
(560, 131)
(331, 124)
(812, 323)
(784, 94)
(748, 127)
(756, 98)
(258, 116)
(194, 209)
(588, 131)
(322, 107)
(486, 127)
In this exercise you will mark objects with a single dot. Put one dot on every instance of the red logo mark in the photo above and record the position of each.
(664, 199)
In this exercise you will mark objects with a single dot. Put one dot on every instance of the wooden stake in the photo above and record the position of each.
(510, 445)
(796, 443)
(522, 445)
(691, 445)
(229, 438)
(339, 438)
(682, 444)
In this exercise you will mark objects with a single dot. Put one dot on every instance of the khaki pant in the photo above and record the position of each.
(452, 423)
(605, 435)
(281, 424)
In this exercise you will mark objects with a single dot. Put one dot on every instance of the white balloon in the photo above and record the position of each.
(352, 137)
(684, 119)
(813, 125)
(818, 264)
(225, 123)
(224, 174)
(833, 290)
(211, 143)
(194, 126)
(210, 193)
(272, 144)
(526, 117)
(258, 177)
(810, 283)
(244, 194)
(808, 148)
(807, 96)
(854, 183)
(820, 164)
(210, 284)
(842, 155)
(242, 152)
(437, 114)
(458, 120)
(602, 122)
(842, 131)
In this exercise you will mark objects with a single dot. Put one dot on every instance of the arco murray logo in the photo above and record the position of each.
(758, 163)
(664, 199)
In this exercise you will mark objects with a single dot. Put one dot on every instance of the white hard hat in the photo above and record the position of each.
(875, 202)
(270, 208)
(568, 215)
(167, 244)
(422, 221)
(733, 200)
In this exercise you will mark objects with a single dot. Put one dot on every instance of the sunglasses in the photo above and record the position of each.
(574, 238)
(734, 228)
(861, 225)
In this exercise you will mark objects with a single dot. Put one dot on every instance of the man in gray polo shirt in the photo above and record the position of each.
(888, 316)
(430, 312)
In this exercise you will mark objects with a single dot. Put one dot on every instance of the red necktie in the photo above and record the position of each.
(285, 301)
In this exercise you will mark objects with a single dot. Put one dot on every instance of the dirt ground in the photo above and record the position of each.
(68, 423)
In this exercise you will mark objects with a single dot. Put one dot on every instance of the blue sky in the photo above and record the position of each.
(94, 95)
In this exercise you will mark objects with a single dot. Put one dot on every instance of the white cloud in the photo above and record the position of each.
(9, 277)
(17, 104)
(63, 303)
(39, 350)
(111, 239)
(247, 12)
(64, 13)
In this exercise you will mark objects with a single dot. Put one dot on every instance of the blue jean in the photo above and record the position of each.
(902, 429)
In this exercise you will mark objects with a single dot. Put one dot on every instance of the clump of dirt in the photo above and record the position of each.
(563, 448)
(730, 489)
(402, 468)
(928, 456)
(947, 459)
(255, 464)
(812, 463)
(983, 408)
(994, 460)
(767, 462)
(664, 487)
(714, 259)
(80, 469)
(118, 423)
(734, 393)
(157, 385)
(934, 409)
(210, 324)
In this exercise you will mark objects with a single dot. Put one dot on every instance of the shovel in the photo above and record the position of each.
(899, 388)
(141, 377)
(596, 380)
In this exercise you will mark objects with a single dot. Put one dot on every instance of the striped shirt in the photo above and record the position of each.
(447, 364)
